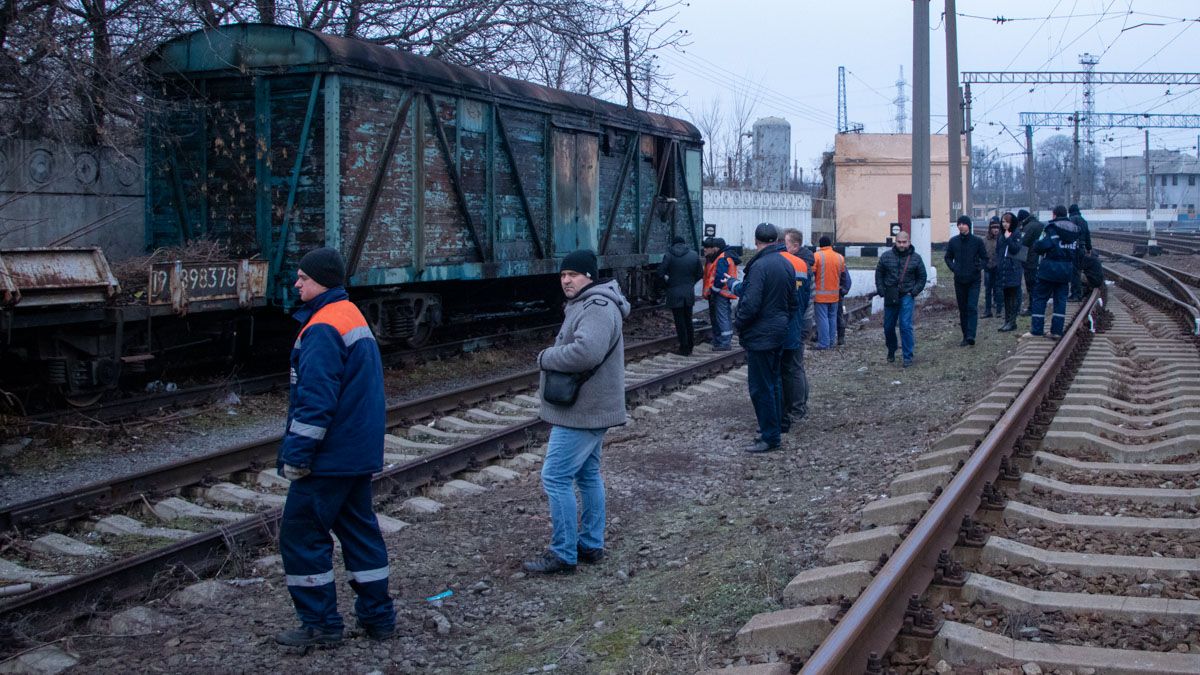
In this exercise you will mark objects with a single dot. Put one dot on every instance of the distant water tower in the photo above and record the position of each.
(772, 153)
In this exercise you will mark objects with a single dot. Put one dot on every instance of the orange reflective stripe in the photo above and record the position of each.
(710, 273)
(827, 265)
(343, 315)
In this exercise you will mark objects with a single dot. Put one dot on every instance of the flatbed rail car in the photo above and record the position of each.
(445, 188)
(449, 191)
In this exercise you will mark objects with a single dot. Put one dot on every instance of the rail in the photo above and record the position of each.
(875, 619)
(1181, 301)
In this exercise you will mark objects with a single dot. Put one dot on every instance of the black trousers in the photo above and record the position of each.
(683, 328)
(795, 387)
(1030, 282)
(1012, 303)
(967, 295)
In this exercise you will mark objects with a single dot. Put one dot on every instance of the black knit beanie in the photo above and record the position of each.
(582, 261)
(324, 266)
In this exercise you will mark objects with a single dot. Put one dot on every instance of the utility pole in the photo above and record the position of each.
(1151, 244)
(628, 71)
(967, 197)
(1075, 164)
(1029, 184)
(953, 113)
(920, 137)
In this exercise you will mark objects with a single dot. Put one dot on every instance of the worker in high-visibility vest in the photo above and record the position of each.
(828, 266)
(721, 262)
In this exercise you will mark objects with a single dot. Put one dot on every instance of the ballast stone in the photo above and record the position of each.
(210, 593)
(421, 506)
(48, 660)
(457, 489)
(140, 620)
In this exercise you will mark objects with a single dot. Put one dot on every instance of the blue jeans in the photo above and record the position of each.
(967, 294)
(1042, 292)
(573, 459)
(826, 314)
(720, 317)
(903, 312)
(315, 505)
(765, 382)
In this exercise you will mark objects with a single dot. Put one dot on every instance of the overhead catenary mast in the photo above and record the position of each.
(901, 103)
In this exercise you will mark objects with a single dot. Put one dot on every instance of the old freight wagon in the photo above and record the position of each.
(446, 189)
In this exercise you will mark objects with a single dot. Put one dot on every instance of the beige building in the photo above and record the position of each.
(871, 170)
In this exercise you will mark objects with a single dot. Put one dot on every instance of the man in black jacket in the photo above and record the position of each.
(767, 301)
(1031, 231)
(966, 256)
(681, 269)
(1085, 247)
(899, 278)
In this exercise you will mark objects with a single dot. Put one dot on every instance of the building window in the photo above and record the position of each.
(1174, 180)
(1192, 179)
(1164, 181)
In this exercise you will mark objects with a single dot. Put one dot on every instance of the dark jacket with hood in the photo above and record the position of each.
(1057, 247)
(1007, 246)
(680, 269)
(1031, 231)
(966, 256)
(766, 300)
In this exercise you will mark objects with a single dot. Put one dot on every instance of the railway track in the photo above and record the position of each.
(1168, 243)
(1055, 524)
(215, 509)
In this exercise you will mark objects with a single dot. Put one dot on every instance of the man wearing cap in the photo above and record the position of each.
(590, 340)
(333, 442)
(766, 305)
(966, 256)
(1031, 231)
(993, 292)
(721, 262)
(681, 269)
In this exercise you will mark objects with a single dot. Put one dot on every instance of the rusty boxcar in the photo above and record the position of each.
(449, 191)
(444, 187)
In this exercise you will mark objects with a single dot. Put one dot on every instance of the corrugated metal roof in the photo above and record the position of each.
(241, 47)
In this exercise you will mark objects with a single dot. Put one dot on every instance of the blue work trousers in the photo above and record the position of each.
(720, 317)
(826, 315)
(573, 459)
(902, 313)
(967, 295)
(766, 391)
(317, 505)
(1042, 292)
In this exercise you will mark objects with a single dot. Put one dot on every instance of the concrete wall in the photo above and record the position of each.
(59, 195)
(737, 212)
(871, 169)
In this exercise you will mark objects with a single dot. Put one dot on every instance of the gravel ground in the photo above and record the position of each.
(1115, 479)
(700, 536)
(1183, 586)
(64, 458)
(1096, 506)
(1152, 543)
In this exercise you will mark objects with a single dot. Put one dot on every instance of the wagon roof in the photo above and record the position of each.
(239, 47)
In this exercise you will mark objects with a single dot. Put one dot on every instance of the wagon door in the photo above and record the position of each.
(576, 191)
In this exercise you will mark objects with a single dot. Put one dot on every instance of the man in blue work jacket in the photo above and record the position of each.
(332, 444)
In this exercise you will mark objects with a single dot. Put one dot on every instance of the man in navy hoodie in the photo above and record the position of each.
(332, 444)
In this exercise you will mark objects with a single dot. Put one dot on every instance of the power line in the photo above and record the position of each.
(762, 94)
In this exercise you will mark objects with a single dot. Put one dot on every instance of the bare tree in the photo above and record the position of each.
(72, 68)
(711, 123)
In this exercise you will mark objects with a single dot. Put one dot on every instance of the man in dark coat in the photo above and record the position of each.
(992, 293)
(1085, 247)
(966, 256)
(1056, 247)
(681, 269)
(1031, 230)
(767, 302)
(899, 278)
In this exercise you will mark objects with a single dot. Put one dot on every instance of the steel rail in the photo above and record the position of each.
(1165, 242)
(875, 618)
(1186, 310)
(111, 494)
(127, 579)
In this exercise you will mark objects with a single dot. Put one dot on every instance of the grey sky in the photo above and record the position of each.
(785, 54)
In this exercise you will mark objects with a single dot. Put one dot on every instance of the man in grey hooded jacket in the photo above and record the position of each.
(590, 337)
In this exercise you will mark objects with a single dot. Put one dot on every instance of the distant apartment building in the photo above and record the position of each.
(1174, 177)
(873, 171)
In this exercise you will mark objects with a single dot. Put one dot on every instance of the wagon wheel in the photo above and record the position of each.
(420, 336)
(83, 399)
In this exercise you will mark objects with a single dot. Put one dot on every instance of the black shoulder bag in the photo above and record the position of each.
(563, 388)
(891, 294)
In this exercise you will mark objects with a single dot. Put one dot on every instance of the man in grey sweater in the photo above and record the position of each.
(590, 338)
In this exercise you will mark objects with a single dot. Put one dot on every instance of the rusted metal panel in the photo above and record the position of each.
(180, 284)
(42, 277)
(243, 47)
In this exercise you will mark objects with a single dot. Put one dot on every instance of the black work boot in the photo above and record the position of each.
(309, 636)
(548, 564)
(379, 633)
(589, 556)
